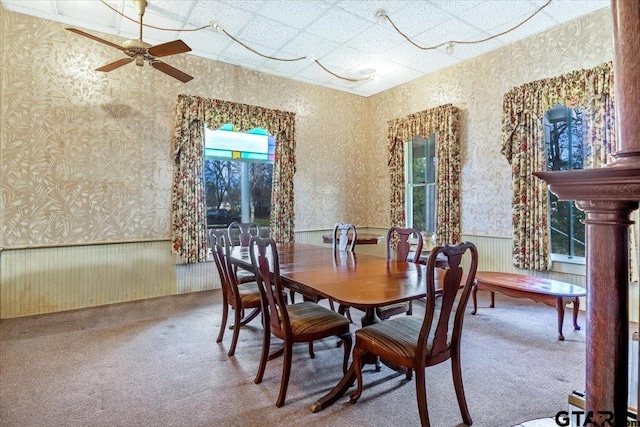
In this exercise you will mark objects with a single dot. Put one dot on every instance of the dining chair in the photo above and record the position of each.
(417, 343)
(399, 237)
(341, 242)
(237, 296)
(342, 233)
(293, 323)
(240, 233)
(341, 237)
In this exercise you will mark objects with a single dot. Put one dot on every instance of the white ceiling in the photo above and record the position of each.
(344, 36)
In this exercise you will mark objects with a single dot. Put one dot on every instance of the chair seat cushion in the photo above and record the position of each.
(310, 319)
(249, 294)
(245, 276)
(391, 310)
(395, 337)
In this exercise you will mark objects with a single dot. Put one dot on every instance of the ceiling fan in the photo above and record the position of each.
(138, 51)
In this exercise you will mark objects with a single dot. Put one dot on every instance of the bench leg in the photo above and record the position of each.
(576, 307)
(560, 308)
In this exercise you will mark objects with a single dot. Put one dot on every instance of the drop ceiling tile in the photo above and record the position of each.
(492, 13)
(338, 26)
(252, 6)
(373, 86)
(366, 9)
(381, 67)
(267, 32)
(310, 45)
(298, 14)
(400, 75)
(375, 40)
(456, 7)
(239, 55)
(232, 19)
(131, 29)
(346, 58)
(178, 10)
(210, 42)
(42, 9)
(86, 12)
(451, 30)
(416, 17)
(421, 60)
(315, 72)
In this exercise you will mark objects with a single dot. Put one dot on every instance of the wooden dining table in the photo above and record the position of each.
(355, 280)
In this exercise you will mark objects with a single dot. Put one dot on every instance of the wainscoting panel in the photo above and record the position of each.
(45, 280)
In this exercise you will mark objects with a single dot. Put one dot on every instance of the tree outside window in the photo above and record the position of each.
(420, 174)
(565, 151)
(238, 173)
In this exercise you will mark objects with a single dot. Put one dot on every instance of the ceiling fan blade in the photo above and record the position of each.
(173, 72)
(92, 37)
(170, 48)
(114, 65)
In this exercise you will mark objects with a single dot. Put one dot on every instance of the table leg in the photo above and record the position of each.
(493, 299)
(576, 307)
(560, 308)
(336, 393)
(370, 317)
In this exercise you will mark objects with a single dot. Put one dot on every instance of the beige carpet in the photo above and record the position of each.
(156, 363)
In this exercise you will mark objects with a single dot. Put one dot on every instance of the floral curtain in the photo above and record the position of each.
(523, 144)
(444, 121)
(188, 221)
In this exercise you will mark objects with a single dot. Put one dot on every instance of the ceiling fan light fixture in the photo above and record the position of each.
(139, 60)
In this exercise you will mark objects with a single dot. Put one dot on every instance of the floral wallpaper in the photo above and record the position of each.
(86, 156)
(477, 87)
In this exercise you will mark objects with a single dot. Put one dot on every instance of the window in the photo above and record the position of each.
(420, 175)
(565, 150)
(238, 170)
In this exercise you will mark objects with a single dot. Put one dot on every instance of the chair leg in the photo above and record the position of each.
(264, 355)
(311, 353)
(457, 383)
(286, 372)
(421, 393)
(292, 295)
(348, 342)
(223, 324)
(409, 375)
(333, 308)
(236, 332)
(358, 354)
(410, 310)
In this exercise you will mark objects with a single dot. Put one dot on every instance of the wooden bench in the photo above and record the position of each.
(547, 291)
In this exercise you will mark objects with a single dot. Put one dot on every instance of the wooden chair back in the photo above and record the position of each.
(220, 248)
(399, 237)
(445, 304)
(341, 237)
(245, 231)
(264, 258)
